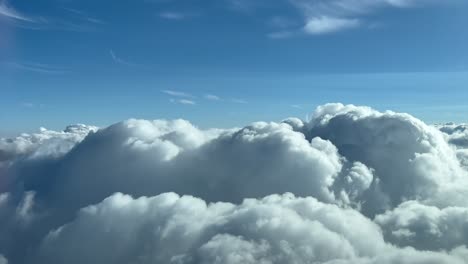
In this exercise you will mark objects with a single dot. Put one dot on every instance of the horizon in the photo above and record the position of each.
(65, 62)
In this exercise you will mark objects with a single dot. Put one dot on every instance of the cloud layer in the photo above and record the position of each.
(296, 191)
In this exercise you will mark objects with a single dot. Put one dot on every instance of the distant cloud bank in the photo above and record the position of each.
(350, 185)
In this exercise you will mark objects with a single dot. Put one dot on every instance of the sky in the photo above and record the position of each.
(226, 63)
(194, 178)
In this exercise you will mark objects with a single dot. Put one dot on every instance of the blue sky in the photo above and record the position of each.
(222, 63)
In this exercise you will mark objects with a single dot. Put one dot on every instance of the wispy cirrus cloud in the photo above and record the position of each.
(281, 34)
(78, 21)
(34, 67)
(31, 105)
(242, 5)
(296, 106)
(182, 101)
(7, 11)
(188, 99)
(177, 93)
(324, 24)
(173, 15)
(330, 16)
(212, 97)
(119, 60)
(181, 97)
(318, 17)
(84, 16)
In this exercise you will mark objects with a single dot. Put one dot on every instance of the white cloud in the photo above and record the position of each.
(398, 147)
(326, 16)
(178, 93)
(185, 101)
(31, 105)
(172, 15)
(3, 260)
(45, 143)
(276, 229)
(244, 5)
(27, 105)
(427, 227)
(324, 24)
(119, 60)
(296, 106)
(76, 20)
(182, 101)
(212, 97)
(83, 16)
(353, 172)
(7, 11)
(457, 134)
(34, 67)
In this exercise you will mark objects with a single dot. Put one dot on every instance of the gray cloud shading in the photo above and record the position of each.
(294, 191)
(3, 260)
(457, 134)
(426, 227)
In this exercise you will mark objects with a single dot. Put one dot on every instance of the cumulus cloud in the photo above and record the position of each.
(457, 134)
(426, 227)
(294, 191)
(46, 143)
(171, 229)
(410, 159)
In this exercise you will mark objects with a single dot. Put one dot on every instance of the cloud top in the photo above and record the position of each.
(271, 192)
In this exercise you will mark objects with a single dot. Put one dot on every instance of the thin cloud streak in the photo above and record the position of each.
(119, 60)
(31, 105)
(83, 16)
(328, 16)
(6, 10)
(172, 15)
(34, 67)
(182, 101)
(296, 106)
(325, 24)
(79, 22)
(177, 93)
(281, 34)
(212, 97)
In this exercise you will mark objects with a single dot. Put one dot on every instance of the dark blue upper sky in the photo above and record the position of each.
(227, 62)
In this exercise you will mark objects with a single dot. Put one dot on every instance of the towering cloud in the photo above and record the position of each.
(290, 192)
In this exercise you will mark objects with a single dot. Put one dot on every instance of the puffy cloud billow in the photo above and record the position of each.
(350, 185)
(457, 135)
